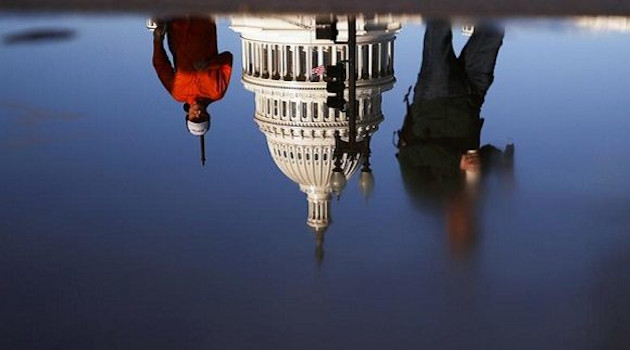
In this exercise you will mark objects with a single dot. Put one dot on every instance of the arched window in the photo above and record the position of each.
(304, 110)
(293, 113)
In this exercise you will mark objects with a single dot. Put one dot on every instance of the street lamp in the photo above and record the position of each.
(366, 179)
(338, 178)
(351, 149)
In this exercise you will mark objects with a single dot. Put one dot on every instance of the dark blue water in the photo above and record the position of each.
(112, 236)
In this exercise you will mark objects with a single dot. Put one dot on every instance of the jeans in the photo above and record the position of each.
(443, 75)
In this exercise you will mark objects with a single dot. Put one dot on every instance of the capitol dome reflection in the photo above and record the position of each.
(282, 63)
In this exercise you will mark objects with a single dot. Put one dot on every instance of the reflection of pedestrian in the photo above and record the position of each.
(200, 75)
(443, 121)
(441, 131)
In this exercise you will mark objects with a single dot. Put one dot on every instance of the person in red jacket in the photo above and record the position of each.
(199, 75)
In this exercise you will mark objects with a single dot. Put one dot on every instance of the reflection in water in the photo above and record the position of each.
(620, 24)
(31, 123)
(94, 251)
(39, 35)
(282, 65)
(199, 75)
(439, 142)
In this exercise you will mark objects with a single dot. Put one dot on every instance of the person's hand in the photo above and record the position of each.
(470, 161)
(159, 32)
(200, 65)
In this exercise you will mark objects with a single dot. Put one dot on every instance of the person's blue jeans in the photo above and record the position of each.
(444, 75)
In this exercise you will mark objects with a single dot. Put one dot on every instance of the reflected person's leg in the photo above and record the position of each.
(177, 33)
(441, 74)
(204, 32)
(479, 57)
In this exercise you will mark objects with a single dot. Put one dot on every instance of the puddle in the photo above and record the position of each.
(179, 191)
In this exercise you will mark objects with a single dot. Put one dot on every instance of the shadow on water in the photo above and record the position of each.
(39, 36)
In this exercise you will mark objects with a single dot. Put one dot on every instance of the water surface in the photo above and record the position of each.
(113, 236)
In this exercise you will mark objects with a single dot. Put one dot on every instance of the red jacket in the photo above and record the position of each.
(191, 41)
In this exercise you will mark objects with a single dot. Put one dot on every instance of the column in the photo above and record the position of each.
(247, 58)
(380, 59)
(285, 52)
(309, 62)
(280, 58)
(253, 57)
(296, 63)
(303, 66)
(360, 61)
(243, 64)
(285, 60)
(391, 56)
(386, 59)
(259, 61)
(320, 56)
(250, 52)
(256, 60)
(269, 63)
(276, 61)
(370, 60)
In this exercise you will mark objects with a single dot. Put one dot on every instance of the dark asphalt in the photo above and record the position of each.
(431, 8)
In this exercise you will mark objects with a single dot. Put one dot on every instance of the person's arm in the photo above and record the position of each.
(161, 63)
(222, 64)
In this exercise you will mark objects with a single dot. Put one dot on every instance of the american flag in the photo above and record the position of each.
(319, 70)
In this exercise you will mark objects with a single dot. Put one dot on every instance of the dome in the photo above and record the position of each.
(307, 159)
(279, 55)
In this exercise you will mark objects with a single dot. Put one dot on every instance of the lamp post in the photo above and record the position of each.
(352, 148)
(203, 150)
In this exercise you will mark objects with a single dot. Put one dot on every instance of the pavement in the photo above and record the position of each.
(429, 8)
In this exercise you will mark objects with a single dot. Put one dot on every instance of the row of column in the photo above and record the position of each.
(318, 212)
(295, 62)
(290, 153)
(312, 111)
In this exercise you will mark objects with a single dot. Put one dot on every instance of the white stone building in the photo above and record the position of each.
(278, 55)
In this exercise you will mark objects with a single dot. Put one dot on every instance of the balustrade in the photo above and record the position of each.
(292, 62)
